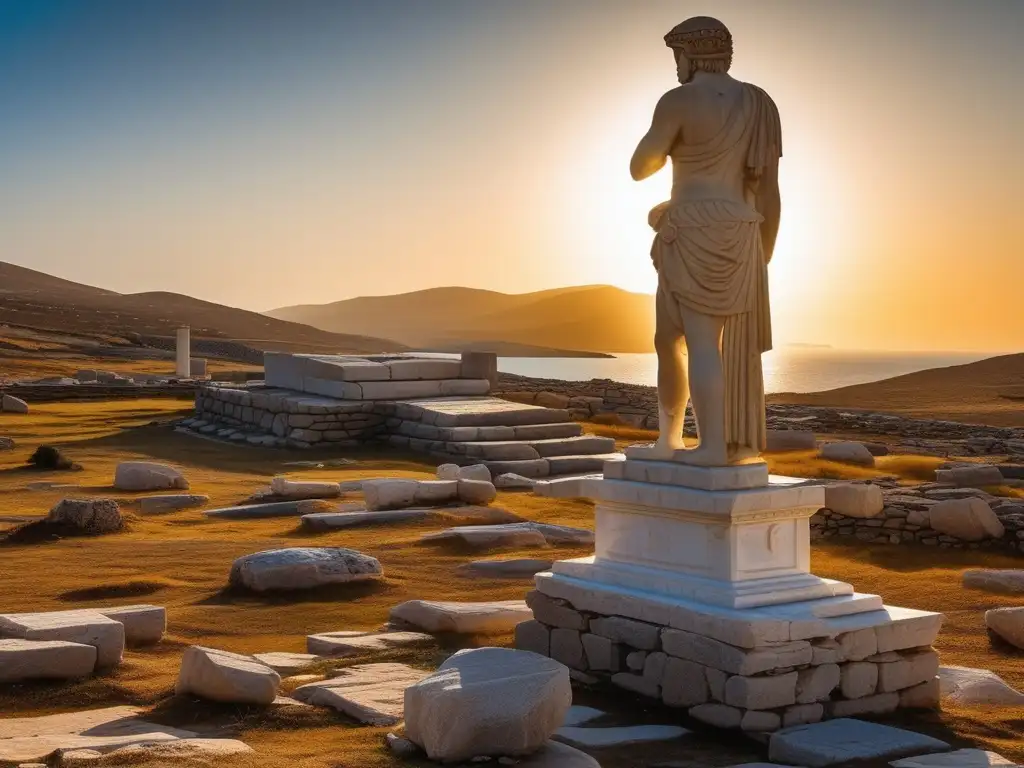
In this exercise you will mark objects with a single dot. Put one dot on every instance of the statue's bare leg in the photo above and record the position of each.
(707, 385)
(673, 386)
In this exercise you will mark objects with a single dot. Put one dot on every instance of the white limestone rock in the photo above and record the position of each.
(847, 452)
(303, 489)
(967, 685)
(462, 618)
(12, 404)
(148, 476)
(45, 660)
(436, 491)
(968, 519)
(854, 499)
(370, 693)
(524, 568)
(480, 492)
(448, 472)
(842, 740)
(487, 536)
(475, 472)
(510, 481)
(338, 644)
(92, 516)
(84, 627)
(1008, 623)
(389, 493)
(156, 505)
(143, 624)
(961, 758)
(970, 476)
(488, 702)
(618, 736)
(285, 663)
(555, 755)
(228, 677)
(1009, 581)
(303, 568)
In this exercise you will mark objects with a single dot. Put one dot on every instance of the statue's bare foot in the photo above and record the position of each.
(704, 456)
(665, 449)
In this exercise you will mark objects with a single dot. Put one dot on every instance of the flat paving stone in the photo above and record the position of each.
(35, 739)
(555, 755)
(618, 736)
(463, 618)
(257, 511)
(45, 660)
(843, 740)
(86, 627)
(373, 694)
(347, 644)
(514, 534)
(287, 663)
(961, 758)
(523, 568)
(578, 715)
(967, 685)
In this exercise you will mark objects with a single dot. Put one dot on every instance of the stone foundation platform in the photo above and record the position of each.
(752, 669)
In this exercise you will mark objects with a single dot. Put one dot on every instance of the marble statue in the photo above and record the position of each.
(714, 239)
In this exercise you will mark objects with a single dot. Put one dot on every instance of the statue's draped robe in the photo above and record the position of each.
(710, 259)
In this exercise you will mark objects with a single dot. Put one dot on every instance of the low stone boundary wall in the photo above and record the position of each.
(751, 683)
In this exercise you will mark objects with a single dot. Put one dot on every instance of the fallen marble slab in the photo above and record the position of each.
(462, 618)
(961, 758)
(326, 521)
(143, 624)
(843, 740)
(352, 644)
(514, 534)
(85, 627)
(1007, 623)
(373, 694)
(284, 488)
(967, 685)
(1008, 581)
(45, 660)
(36, 739)
(287, 663)
(571, 487)
(618, 736)
(218, 675)
(179, 750)
(257, 511)
(523, 568)
(171, 502)
(510, 481)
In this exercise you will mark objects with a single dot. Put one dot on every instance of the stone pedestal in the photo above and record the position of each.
(700, 594)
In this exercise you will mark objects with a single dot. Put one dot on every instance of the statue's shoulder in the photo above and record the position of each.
(761, 94)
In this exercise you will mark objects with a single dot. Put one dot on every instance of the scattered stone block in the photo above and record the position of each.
(636, 634)
(510, 481)
(858, 500)
(488, 702)
(326, 521)
(389, 493)
(842, 740)
(597, 738)
(12, 404)
(1008, 623)
(257, 511)
(488, 536)
(148, 476)
(970, 476)
(83, 627)
(7, 444)
(848, 452)
(303, 489)
(228, 677)
(45, 660)
(476, 491)
(91, 516)
(370, 693)
(1008, 581)
(462, 618)
(436, 491)
(287, 663)
(967, 685)
(156, 505)
(780, 440)
(37, 739)
(448, 472)
(968, 519)
(354, 643)
(303, 568)
(961, 758)
(143, 624)
(602, 654)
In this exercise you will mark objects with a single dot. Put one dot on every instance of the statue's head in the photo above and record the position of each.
(700, 44)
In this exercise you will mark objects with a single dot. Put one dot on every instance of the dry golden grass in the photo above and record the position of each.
(39, 366)
(181, 560)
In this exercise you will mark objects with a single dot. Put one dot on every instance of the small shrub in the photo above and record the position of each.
(49, 457)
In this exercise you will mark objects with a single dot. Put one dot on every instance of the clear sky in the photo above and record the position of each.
(263, 154)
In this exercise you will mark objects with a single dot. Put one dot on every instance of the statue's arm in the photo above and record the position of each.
(653, 150)
(769, 205)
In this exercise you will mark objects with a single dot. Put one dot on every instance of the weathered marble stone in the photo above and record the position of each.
(476, 491)
(838, 741)
(155, 505)
(816, 683)
(967, 685)
(462, 618)
(45, 659)
(912, 669)
(618, 736)
(511, 481)
(84, 627)
(967, 519)
(303, 568)
(521, 568)
(555, 755)
(714, 653)
(761, 692)
(229, 677)
(859, 679)
(369, 693)
(927, 695)
(683, 683)
(303, 489)
(602, 654)
(92, 516)
(488, 701)
(757, 722)
(1008, 581)
(555, 613)
(488, 536)
(533, 636)
(858, 500)
(876, 704)
(389, 493)
(354, 643)
(848, 452)
(971, 476)
(779, 440)
(12, 404)
(718, 715)
(1008, 623)
(148, 476)
(567, 647)
(287, 663)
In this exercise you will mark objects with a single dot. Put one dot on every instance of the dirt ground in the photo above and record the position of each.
(181, 560)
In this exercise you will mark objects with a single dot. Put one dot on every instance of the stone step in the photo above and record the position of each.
(520, 450)
(555, 466)
(476, 412)
(579, 465)
(423, 431)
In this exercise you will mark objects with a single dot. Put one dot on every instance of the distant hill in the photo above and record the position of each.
(594, 319)
(984, 392)
(32, 299)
